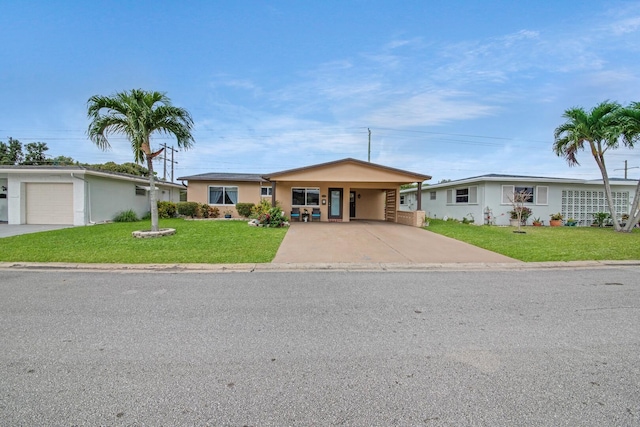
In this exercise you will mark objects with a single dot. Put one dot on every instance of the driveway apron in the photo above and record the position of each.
(376, 242)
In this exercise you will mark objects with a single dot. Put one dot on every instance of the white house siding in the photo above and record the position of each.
(17, 195)
(76, 196)
(572, 198)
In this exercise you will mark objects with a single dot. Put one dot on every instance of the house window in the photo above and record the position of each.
(141, 191)
(536, 194)
(432, 195)
(223, 195)
(183, 196)
(402, 199)
(462, 195)
(528, 191)
(305, 196)
(265, 191)
(465, 195)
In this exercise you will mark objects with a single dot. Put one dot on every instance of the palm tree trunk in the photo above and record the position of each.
(634, 214)
(152, 195)
(607, 192)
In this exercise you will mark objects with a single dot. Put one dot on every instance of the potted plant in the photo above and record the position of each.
(519, 215)
(537, 222)
(599, 219)
(228, 213)
(571, 222)
(556, 220)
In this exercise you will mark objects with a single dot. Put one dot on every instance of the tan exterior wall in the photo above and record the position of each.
(346, 172)
(248, 192)
(413, 218)
(370, 205)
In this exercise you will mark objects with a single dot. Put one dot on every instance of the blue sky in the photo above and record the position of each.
(451, 89)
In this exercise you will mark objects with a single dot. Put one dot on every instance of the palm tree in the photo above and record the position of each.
(600, 129)
(629, 119)
(138, 114)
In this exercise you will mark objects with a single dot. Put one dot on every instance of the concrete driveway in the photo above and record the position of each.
(7, 230)
(376, 241)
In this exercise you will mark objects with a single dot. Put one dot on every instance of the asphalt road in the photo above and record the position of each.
(513, 348)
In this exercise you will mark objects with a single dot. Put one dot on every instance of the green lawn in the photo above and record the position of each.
(546, 243)
(214, 242)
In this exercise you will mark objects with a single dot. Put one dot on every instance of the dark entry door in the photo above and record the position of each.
(335, 203)
(352, 204)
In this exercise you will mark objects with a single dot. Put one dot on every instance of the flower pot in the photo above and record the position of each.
(537, 224)
(513, 222)
(555, 222)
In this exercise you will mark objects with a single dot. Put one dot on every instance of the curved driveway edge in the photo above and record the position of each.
(376, 242)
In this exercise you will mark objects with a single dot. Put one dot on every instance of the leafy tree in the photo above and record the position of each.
(11, 153)
(130, 168)
(62, 161)
(35, 153)
(138, 114)
(600, 130)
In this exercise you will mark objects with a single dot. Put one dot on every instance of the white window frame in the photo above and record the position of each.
(472, 195)
(224, 194)
(268, 191)
(433, 195)
(306, 196)
(540, 194)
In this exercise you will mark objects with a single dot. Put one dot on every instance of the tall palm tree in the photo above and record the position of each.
(629, 120)
(599, 128)
(138, 114)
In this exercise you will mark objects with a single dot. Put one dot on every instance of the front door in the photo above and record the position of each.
(352, 204)
(335, 203)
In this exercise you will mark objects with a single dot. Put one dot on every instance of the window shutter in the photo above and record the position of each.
(449, 197)
(507, 194)
(473, 195)
(542, 196)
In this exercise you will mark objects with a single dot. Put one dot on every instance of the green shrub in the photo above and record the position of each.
(261, 208)
(166, 209)
(188, 208)
(244, 209)
(203, 210)
(126, 216)
(274, 218)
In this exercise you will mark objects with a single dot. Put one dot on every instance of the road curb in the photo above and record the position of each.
(280, 267)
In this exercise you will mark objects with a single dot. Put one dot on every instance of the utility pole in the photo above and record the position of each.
(164, 157)
(369, 151)
(626, 168)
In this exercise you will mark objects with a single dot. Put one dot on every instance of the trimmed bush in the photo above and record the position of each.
(126, 216)
(188, 208)
(166, 209)
(244, 209)
(214, 212)
(203, 210)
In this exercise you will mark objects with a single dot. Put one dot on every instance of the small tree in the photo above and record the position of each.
(517, 200)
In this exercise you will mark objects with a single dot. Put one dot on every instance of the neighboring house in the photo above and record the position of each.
(341, 190)
(486, 199)
(74, 195)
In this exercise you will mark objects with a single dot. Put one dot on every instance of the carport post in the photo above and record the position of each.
(273, 194)
(419, 196)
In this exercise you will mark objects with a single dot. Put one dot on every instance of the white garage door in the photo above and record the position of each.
(49, 203)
